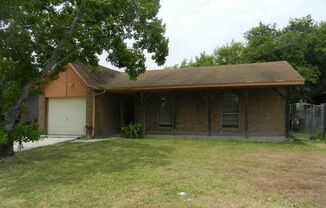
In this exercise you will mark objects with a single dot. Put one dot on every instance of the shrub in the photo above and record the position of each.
(26, 133)
(22, 133)
(318, 136)
(132, 130)
(3, 137)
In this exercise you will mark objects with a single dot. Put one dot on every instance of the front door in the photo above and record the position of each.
(128, 110)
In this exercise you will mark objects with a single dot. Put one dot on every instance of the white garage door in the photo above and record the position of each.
(66, 116)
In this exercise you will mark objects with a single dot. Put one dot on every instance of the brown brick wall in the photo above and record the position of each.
(42, 113)
(266, 113)
(107, 115)
(191, 113)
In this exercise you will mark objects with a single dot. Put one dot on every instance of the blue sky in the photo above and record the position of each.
(194, 26)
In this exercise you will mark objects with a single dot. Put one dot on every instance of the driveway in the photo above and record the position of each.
(44, 142)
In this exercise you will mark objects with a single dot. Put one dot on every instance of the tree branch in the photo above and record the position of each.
(54, 62)
(55, 54)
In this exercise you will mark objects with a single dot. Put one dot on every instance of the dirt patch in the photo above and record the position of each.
(296, 176)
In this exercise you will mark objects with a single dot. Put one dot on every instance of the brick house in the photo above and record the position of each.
(245, 100)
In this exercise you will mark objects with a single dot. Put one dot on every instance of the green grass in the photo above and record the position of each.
(151, 173)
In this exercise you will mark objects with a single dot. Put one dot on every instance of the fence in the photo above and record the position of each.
(308, 118)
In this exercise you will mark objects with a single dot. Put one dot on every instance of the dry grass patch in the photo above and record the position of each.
(298, 175)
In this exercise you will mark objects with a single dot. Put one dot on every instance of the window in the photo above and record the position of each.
(230, 111)
(165, 116)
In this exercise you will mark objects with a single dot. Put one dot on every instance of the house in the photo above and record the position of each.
(30, 110)
(244, 100)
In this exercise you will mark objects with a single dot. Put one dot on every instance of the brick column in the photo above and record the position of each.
(42, 113)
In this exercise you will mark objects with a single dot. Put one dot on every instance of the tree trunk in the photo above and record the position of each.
(7, 149)
(13, 116)
(14, 113)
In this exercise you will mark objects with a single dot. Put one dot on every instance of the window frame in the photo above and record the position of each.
(161, 100)
(222, 113)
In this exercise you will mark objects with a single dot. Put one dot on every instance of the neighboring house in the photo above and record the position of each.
(235, 100)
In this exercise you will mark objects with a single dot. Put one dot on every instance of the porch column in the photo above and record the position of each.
(287, 117)
(246, 120)
(208, 113)
(142, 112)
(121, 112)
(174, 118)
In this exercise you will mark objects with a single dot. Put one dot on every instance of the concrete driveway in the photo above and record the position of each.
(45, 142)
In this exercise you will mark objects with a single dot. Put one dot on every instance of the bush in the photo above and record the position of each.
(26, 133)
(318, 136)
(22, 133)
(3, 137)
(132, 130)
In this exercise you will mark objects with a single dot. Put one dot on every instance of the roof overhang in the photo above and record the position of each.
(209, 86)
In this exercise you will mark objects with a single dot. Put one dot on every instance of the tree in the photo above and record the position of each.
(232, 53)
(38, 38)
(260, 43)
(302, 43)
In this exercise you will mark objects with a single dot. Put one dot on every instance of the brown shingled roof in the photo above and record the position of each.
(279, 73)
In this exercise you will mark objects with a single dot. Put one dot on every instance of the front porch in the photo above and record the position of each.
(242, 113)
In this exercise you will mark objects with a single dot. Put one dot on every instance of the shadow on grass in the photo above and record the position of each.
(300, 142)
(72, 162)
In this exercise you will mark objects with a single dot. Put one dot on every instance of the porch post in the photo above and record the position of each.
(121, 112)
(246, 114)
(208, 113)
(173, 113)
(142, 112)
(287, 121)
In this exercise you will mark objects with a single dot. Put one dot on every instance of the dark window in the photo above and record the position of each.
(165, 117)
(230, 111)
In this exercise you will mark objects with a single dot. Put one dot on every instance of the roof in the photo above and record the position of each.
(279, 73)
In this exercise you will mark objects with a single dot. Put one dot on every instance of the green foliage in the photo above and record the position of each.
(232, 53)
(203, 60)
(228, 54)
(21, 133)
(3, 137)
(318, 136)
(310, 73)
(132, 130)
(302, 43)
(31, 32)
(261, 45)
(26, 133)
(38, 39)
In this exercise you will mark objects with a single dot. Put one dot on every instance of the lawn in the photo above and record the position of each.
(153, 172)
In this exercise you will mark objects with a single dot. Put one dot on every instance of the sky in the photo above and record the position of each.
(194, 26)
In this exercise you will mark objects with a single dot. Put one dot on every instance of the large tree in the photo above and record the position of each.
(302, 43)
(39, 37)
(232, 53)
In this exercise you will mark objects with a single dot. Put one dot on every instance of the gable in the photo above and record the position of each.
(68, 84)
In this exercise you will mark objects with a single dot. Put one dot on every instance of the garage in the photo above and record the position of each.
(66, 116)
